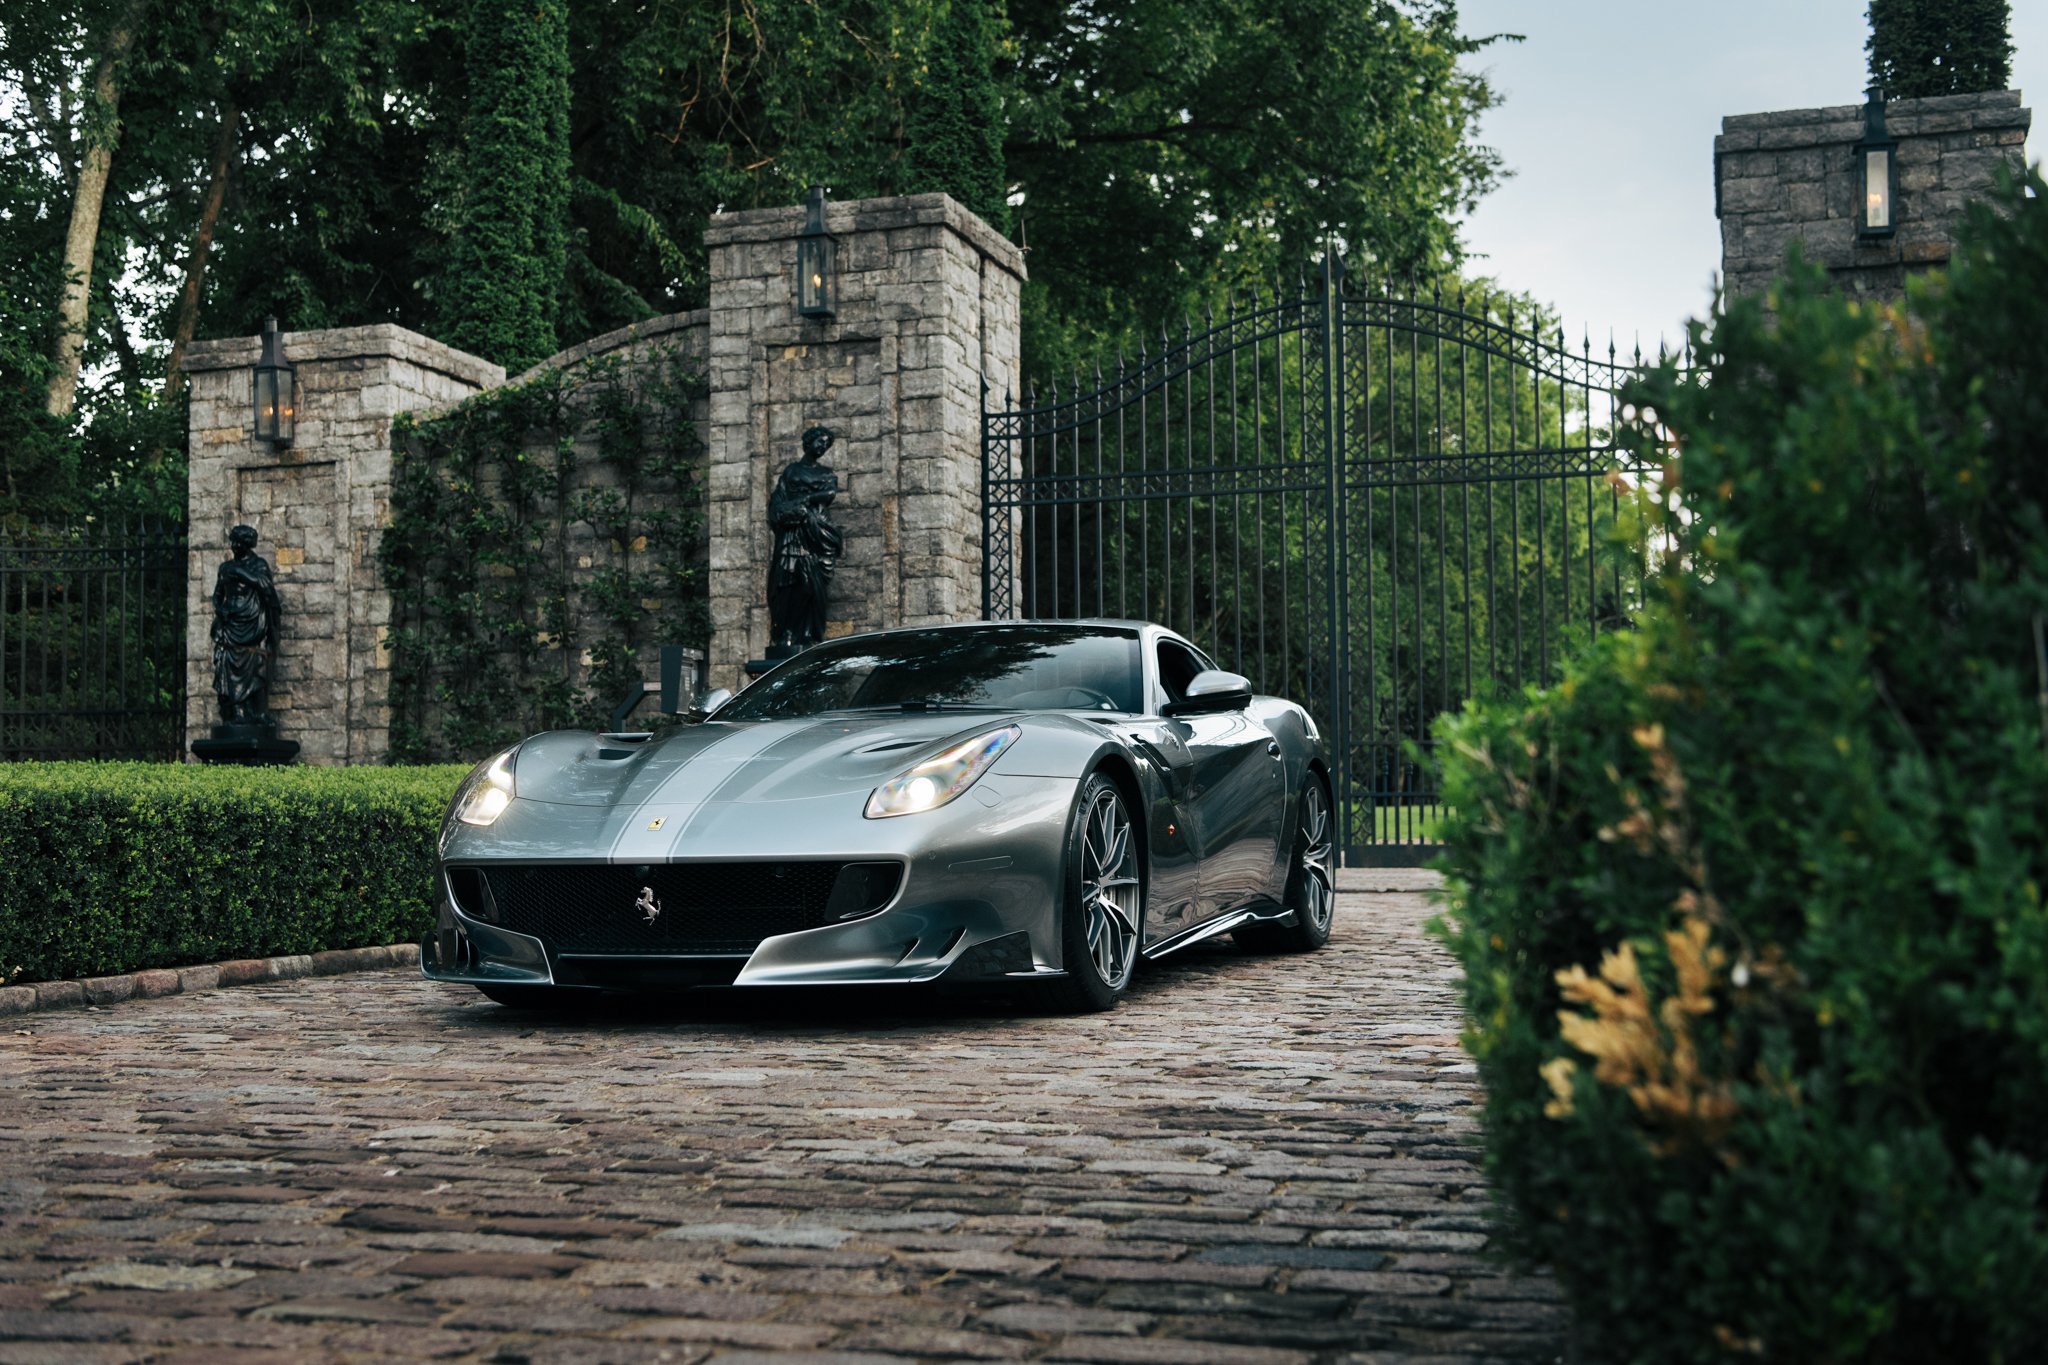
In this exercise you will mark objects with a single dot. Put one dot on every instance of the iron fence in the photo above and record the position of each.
(92, 641)
(1377, 500)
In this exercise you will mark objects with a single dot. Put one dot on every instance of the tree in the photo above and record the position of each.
(1166, 150)
(680, 111)
(512, 178)
(1163, 150)
(1920, 48)
(102, 129)
(953, 119)
(500, 294)
(34, 188)
(187, 322)
(343, 182)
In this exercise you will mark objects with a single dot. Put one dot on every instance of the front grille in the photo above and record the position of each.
(705, 908)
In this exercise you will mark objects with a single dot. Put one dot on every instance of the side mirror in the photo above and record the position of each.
(1213, 690)
(711, 701)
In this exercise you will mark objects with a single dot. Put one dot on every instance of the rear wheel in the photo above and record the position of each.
(1103, 903)
(1311, 882)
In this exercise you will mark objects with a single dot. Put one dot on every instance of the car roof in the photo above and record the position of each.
(1097, 622)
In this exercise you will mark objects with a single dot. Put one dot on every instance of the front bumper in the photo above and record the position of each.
(977, 901)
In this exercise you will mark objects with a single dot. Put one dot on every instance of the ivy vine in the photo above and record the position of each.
(542, 535)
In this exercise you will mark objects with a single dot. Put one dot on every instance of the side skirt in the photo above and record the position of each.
(1222, 924)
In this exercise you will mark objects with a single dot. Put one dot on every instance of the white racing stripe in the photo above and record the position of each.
(683, 792)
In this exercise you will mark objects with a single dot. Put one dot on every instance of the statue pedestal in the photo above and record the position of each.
(254, 744)
(776, 654)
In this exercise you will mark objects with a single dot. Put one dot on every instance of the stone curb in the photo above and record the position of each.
(153, 982)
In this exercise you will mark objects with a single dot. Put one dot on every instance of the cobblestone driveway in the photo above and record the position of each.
(1270, 1161)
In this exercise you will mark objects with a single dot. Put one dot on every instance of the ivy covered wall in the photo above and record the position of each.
(544, 537)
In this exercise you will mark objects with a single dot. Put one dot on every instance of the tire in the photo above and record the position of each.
(1311, 882)
(1102, 908)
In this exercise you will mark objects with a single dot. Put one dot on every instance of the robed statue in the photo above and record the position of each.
(807, 548)
(245, 615)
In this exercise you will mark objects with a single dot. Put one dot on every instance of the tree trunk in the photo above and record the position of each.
(124, 349)
(202, 242)
(102, 132)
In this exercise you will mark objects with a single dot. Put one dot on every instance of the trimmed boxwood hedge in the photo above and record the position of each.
(114, 867)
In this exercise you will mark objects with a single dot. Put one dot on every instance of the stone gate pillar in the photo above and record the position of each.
(927, 314)
(1792, 176)
(318, 506)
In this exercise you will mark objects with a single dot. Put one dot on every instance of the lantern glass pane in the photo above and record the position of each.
(814, 266)
(267, 407)
(1877, 188)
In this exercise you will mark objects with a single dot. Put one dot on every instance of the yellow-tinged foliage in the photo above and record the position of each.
(1652, 1054)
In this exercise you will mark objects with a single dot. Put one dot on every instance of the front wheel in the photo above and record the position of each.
(1311, 882)
(1103, 902)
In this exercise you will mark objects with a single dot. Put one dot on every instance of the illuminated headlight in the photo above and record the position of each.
(936, 781)
(487, 791)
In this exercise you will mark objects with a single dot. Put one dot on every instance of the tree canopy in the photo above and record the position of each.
(1165, 150)
(1939, 47)
(338, 162)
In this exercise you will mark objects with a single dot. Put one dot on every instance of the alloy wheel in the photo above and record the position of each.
(1109, 889)
(1314, 848)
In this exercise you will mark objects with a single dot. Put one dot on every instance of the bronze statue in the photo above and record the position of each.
(245, 615)
(807, 548)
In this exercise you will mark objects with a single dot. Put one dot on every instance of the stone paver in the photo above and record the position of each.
(1255, 1161)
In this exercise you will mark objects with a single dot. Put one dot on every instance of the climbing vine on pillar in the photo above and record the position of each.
(953, 114)
(542, 536)
(500, 292)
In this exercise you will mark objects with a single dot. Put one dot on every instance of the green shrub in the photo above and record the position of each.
(112, 867)
(1749, 906)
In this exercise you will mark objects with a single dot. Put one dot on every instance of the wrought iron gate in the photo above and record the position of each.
(92, 642)
(1376, 501)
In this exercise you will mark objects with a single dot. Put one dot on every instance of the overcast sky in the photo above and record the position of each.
(1608, 124)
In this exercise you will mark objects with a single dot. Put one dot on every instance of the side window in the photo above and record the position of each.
(1178, 666)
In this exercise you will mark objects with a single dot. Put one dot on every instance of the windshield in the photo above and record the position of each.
(1026, 667)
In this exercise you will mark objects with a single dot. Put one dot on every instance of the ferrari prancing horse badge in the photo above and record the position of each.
(648, 905)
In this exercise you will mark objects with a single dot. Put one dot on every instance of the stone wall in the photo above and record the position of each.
(927, 315)
(317, 506)
(1792, 177)
(614, 518)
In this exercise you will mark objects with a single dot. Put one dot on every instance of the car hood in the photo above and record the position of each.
(752, 761)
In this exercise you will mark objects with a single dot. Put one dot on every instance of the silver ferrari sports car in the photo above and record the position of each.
(993, 803)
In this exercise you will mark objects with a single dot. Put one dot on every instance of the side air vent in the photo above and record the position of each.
(472, 894)
(863, 888)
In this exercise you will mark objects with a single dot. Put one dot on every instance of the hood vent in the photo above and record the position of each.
(891, 745)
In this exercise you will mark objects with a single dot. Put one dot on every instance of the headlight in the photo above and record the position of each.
(487, 791)
(936, 781)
